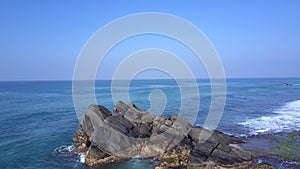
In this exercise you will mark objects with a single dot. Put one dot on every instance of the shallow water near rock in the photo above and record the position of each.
(277, 162)
(38, 118)
(270, 150)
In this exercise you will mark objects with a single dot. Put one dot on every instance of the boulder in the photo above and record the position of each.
(94, 153)
(141, 130)
(200, 134)
(130, 132)
(80, 136)
(214, 146)
(110, 140)
(95, 116)
(181, 125)
(119, 123)
(121, 107)
(135, 114)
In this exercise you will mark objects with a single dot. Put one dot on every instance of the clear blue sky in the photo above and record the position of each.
(42, 39)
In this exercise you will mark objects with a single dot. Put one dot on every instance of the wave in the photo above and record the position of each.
(285, 119)
(64, 149)
(81, 158)
(67, 150)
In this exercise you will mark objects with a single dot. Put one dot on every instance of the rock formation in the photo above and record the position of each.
(130, 132)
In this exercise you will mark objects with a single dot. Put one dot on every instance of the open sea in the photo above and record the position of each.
(37, 118)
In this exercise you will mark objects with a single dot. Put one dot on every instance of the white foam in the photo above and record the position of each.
(136, 157)
(70, 148)
(64, 148)
(286, 118)
(82, 157)
(262, 130)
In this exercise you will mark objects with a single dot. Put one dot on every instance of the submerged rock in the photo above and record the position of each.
(130, 132)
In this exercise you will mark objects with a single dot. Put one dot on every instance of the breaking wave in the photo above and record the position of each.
(66, 151)
(285, 119)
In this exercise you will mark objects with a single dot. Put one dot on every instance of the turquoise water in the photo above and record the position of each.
(37, 118)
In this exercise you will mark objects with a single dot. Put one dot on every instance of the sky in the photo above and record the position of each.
(41, 40)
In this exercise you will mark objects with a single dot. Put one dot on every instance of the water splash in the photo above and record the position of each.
(285, 119)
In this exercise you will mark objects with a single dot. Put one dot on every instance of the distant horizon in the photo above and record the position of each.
(37, 80)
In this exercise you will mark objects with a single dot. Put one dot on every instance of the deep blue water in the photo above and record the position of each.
(37, 118)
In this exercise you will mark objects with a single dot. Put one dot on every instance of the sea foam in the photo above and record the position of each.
(64, 148)
(82, 157)
(285, 118)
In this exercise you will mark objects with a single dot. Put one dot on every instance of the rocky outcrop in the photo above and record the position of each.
(130, 132)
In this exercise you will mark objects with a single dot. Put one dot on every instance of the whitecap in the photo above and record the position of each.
(82, 157)
(71, 148)
(262, 130)
(64, 148)
(285, 118)
(136, 157)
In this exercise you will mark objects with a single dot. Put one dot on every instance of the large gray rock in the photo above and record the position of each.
(119, 123)
(95, 153)
(134, 114)
(79, 135)
(140, 130)
(121, 107)
(214, 146)
(200, 135)
(110, 140)
(95, 116)
(131, 132)
(158, 125)
(181, 125)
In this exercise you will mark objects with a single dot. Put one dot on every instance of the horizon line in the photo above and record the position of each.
(205, 78)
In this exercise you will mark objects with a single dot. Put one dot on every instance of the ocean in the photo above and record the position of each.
(38, 119)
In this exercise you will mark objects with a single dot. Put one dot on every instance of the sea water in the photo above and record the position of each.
(37, 118)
